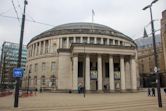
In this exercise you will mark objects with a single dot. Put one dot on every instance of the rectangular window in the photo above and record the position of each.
(30, 68)
(36, 67)
(43, 66)
(54, 47)
(35, 80)
(53, 68)
(53, 81)
(43, 81)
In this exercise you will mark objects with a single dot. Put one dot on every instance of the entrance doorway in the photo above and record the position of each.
(93, 76)
(93, 84)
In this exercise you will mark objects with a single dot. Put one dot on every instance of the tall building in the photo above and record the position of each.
(163, 34)
(146, 60)
(9, 59)
(75, 55)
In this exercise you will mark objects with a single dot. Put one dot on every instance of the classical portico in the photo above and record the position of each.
(116, 59)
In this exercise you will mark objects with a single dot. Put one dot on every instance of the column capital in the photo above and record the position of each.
(133, 56)
(75, 55)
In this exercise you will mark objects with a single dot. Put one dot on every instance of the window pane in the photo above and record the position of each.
(43, 66)
(53, 68)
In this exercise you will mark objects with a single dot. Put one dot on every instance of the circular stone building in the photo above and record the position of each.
(70, 55)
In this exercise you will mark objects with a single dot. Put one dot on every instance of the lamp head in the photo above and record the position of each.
(148, 6)
(154, 1)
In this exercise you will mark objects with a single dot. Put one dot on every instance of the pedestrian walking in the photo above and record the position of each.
(165, 91)
(149, 92)
(79, 88)
(153, 91)
(35, 91)
(40, 90)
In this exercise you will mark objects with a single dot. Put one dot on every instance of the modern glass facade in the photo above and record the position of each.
(9, 59)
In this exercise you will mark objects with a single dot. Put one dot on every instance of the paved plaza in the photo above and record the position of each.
(92, 102)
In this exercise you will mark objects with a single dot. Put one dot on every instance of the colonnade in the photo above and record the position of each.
(45, 46)
(111, 73)
(39, 48)
(93, 40)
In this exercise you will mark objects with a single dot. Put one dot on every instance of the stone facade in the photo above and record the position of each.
(64, 57)
(163, 34)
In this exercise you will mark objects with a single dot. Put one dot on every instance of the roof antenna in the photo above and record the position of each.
(93, 14)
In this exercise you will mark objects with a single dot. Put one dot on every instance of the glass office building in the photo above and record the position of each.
(9, 59)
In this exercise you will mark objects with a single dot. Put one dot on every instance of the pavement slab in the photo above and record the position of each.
(92, 102)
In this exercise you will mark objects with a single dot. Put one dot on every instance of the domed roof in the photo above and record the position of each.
(81, 28)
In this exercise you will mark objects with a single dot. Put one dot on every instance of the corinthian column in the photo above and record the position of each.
(133, 74)
(99, 59)
(111, 73)
(87, 79)
(75, 72)
(67, 38)
(122, 71)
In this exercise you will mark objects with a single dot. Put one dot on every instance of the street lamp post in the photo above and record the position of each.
(155, 54)
(19, 56)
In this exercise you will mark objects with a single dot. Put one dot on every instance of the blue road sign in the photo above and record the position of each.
(18, 72)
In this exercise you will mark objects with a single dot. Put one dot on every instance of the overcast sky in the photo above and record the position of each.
(125, 16)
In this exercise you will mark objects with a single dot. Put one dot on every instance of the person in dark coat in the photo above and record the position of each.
(153, 91)
(35, 91)
(40, 89)
(165, 91)
(149, 92)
